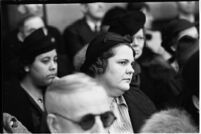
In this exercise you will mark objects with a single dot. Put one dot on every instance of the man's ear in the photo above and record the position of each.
(52, 123)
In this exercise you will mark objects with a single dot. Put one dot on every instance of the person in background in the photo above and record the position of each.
(77, 103)
(23, 98)
(184, 116)
(13, 43)
(171, 34)
(186, 10)
(153, 36)
(186, 47)
(82, 31)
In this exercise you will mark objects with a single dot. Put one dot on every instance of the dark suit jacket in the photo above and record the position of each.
(76, 36)
(19, 104)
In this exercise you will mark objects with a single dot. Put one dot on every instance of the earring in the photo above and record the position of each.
(26, 69)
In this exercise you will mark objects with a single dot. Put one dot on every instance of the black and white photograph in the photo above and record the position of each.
(100, 67)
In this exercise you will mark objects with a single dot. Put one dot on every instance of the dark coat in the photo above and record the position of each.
(158, 79)
(76, 36)
(19, 104)
(140, 107)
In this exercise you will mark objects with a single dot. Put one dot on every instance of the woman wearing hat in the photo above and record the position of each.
(154, 75)
(23, 98)
(109, 59)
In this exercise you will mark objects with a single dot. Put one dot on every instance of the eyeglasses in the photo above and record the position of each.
(88, 121)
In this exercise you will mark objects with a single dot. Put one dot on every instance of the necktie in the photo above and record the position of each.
(96, 29)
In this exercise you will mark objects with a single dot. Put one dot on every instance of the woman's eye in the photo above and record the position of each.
(123, 62)
(45, 61)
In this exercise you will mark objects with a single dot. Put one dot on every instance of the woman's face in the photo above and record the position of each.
(119, 71)
(138, 43)
(44, 68)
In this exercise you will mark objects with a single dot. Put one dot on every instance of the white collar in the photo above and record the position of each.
(92, 25)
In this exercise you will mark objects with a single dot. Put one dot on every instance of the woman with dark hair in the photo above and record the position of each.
(23, 98)
(154, 76)
(109, 59)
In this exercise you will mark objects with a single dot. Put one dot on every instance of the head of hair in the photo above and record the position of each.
(67, 85)
(170, 33)
(133, 6)
(100, 50)
(24, 19)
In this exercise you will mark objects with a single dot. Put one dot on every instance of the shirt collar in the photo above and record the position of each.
(121, 101)
(92, 24)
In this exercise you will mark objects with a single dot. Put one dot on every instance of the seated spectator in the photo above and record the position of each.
(77, 104)
(171, 33)
(153, 75)
(184, 117)
(13, 42)
(109, 59)
(23, 98)
(186, 47)
(186, 10)
(82, 31)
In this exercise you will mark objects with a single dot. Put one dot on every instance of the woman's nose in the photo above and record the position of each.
(130, 69)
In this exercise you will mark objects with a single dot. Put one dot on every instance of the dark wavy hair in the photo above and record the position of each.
(101, 63)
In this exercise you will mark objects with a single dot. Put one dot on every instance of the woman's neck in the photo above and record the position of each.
(36, 92)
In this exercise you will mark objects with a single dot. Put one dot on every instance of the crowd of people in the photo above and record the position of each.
(108, 72)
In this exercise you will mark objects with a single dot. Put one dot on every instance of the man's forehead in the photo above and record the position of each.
(78, 104)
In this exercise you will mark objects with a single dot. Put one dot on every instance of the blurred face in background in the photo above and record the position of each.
(96, 10)
(36, 9)
(138, 43)
(44, 68)
(30, 26)
(186, 7)
(119, 71)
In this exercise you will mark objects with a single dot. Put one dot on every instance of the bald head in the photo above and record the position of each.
(69, 87)
(74, 96)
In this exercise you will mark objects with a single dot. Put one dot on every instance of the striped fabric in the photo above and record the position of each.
(123, 123)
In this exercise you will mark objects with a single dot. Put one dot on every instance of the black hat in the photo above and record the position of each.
(112, 14)
(36, 43)
(190, 74)
(100, 44)
(172, 29)
(137, 6)
(128, 24)
(186, 47)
